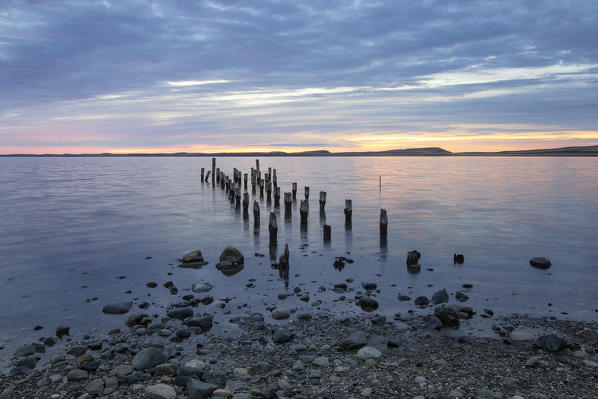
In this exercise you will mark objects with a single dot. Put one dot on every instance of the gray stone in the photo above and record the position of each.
(551, 343)
(135, 319)
(281, 335)
(199, 390)
(95, 387)
(540, 262)
(356, 340)
(193, 256)
(421, 301)
(201, 286)
(368, 352)
(180, 313)
(447, 314)
(148, 358)
(368, 304)
(203, 322)
(117, 308)
(281, 313)
(77, 375)
(510, 382)
(215, 377)
(160, 391)
(440, 297)
(321, 361)
(232, 255)
(25, 350)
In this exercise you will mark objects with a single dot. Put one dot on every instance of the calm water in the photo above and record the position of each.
(70, 223)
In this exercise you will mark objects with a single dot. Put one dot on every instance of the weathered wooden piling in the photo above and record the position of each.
(274, 180)
(262, 188)
(383, 223)
(288, 201)
(245, 205)
(303, 211)
(256, 214)
(273, 228)
(348, 213)
(306, 190)
(217, 176)
(269, 174)
(269, 191)
(322, 200)
(238, 196)
(245, 181)
(202, 173)
(327, 233)
(257, 164)
(277, 197)
(294, 191)
(208, 176)
(213, 169)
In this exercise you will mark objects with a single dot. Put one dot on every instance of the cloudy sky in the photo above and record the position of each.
(165, 75)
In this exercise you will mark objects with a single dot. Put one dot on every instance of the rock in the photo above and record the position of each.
(404, 298)
(117, 308)
(511, 382)
(519, 335)
(204, 322)
(222, 393)
(458, 259)
(232, 255)
(368, 304)
(304, 316)
(440, 297)
(95, 387)
(77, 375)
(27, 362)
(196, 364)
(25, 350)
(281, 313)
(148, 358)
(215, 377)
(151, 284)
(201, 286)
(192, 257)
(281, 335)
(340, 287)
(356, 340)
(199, 390)
(461, 297)
(135, 319)
(61, 331)
(368, 352)
(540, 262)
(123, 370)
(180, 313)
(551, 343)
(434, 323)
(160, 391)
(369, 286)
(229, 269)
(165, 369)
(421, 301)
(447, 314)
(321, 361)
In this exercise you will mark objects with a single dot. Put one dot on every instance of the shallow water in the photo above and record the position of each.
(70, 223)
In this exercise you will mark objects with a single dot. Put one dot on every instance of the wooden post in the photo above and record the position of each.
(348, 213)
(273, 228)
(208, 176)
(217, 176)
(306, 188)
(238, 196)
(269, 174)
(274, 178)
(262, 188)
(322, 200)
(327, 233)
(303, 211)
(288, 201)
(256, 214)
(245, 205)
(277, 197)
(213, 169)
(202, 174)
(294, 191)
(245, 181)
(257, 164)
(383, 224)
(269, 191)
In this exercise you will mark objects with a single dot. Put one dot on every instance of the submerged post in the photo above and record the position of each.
(303, 211)
(327, 233)
(383, 223)
(274, 178)
(288, 201)
(269, 191)
(213, 169)
(207, 176)
(294, 191)
(277, 197)
(322, 200)
(256, 214)
(245, 205)
(306, 188)
(202, 174)
(273, 228)
(245, 181)
(217, 176)
(238, 196)
(348, 213)
(261, 188)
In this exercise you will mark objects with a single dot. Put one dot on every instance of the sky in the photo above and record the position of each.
(86, 76)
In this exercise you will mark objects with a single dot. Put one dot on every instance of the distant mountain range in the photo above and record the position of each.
(586, 151)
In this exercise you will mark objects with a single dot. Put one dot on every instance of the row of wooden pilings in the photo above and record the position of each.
(269, 183)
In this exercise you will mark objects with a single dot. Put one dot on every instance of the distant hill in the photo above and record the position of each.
(586, 151)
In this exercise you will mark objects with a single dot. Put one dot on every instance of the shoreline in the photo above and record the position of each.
(297, 355)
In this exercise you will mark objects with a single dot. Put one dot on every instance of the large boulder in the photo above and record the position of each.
(193, 260)
(229, 269)
(440, 297)
(447, 314)
(180, 313)
(117, 308)
(200, 390)
(551, 343)
(281, 335)
(232, 255)
(540, 262)
(368, 304)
